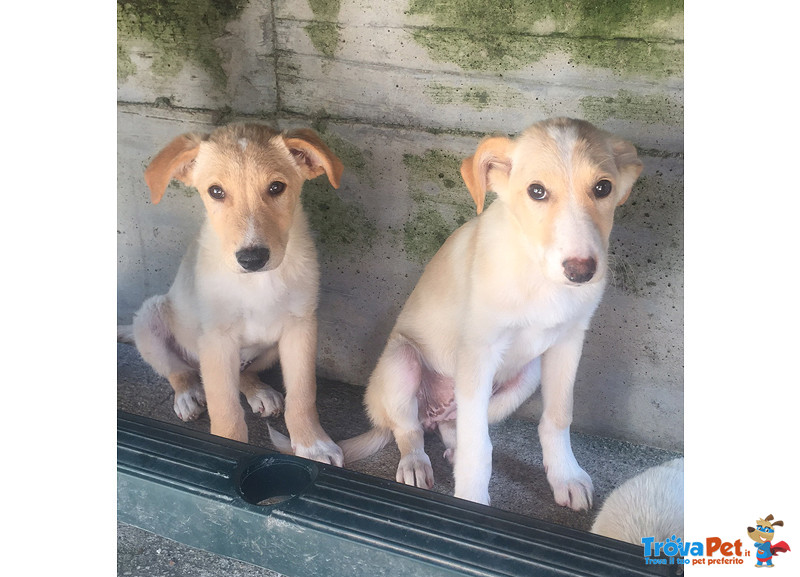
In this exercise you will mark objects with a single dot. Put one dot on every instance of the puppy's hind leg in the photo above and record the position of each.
(154, 340)
(509, 395)
(190, 398)
(391, 401)
(263, 399)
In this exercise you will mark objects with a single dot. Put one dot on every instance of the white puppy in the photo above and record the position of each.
(502, 305)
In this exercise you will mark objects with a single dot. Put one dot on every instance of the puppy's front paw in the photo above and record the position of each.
(189, 404)
(472, 484)
(415, 469)
(324, 451)
(476, 496)
(265, 401)
(571, 488)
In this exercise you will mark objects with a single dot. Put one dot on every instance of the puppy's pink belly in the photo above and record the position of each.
(436, 397)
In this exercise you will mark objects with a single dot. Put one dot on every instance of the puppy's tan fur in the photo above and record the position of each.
(495, 312)
(246, 292)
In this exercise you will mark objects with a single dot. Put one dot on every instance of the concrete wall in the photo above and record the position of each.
(402, 91)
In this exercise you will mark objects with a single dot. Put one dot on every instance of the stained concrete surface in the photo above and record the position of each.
(518, 481)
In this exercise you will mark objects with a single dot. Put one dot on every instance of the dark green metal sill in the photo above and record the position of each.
(302, 518)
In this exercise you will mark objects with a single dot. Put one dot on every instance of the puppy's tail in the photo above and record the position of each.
(125, 334)
(354, 449)
(364, 445)
(280, 441)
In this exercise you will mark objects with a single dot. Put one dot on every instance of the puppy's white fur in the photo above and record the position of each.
(245, 295)
(647, 505)
(495, 312)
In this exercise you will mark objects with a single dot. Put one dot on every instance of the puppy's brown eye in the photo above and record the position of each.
(216, 192)
(276, 188)
(537, 191)
(602, 189)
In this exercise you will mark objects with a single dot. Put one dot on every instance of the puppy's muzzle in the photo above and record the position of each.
(252, 259)
(579, 270)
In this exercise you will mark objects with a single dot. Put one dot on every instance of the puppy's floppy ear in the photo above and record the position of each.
(312, 156)
(487, 168)
(176, 160)
(628, 165)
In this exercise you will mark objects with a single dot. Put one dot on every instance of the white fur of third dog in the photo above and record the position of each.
(648, 505)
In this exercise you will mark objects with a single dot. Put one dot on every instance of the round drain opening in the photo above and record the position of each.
(274, 479)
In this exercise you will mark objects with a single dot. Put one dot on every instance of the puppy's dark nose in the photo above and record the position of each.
(252, 259)
(750, 529)
(579, 269)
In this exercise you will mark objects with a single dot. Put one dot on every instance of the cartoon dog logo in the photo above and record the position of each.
(763, 535)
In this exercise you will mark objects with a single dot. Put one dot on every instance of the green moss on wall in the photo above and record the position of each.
(324, 31)
(425, 232)
(649, 109)
(337, 224)
(478, 97)
(353, 158)
(441, 202)
(628, 56)
(498, 35)
(179, 30)
(324, 36)
(437, 167)
(325, 10)
(125, 66)
(183, 189)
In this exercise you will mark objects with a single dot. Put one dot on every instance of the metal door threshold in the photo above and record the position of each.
(302, 518)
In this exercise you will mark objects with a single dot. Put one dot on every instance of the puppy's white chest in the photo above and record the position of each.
(254, 306)
(263, 315)
(526, 344)
(541, 327)
(261, 325)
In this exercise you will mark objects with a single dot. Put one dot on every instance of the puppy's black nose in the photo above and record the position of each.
(579, 269)
(252, 259)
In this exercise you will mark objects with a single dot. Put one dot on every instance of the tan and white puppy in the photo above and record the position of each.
(503, 305)
(246, 292)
